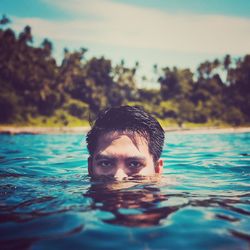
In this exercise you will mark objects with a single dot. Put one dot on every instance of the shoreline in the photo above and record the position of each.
(83, 130)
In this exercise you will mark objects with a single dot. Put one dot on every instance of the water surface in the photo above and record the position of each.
(47, 200)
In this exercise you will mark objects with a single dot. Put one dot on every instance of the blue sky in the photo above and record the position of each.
(167, 32)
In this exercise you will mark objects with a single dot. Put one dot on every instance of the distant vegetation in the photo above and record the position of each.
(35, 90)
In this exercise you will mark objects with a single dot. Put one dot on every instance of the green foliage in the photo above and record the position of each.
(9, 107)
(185, 111)
(167, 110)
(35, 90)
(60, 118)
(77, 108)
(176, 83)
(152, 95)
(238, 92)
(234, 116)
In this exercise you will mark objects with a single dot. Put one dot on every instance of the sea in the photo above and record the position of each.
(201, 201)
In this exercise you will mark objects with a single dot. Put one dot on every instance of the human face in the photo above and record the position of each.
(120, 155)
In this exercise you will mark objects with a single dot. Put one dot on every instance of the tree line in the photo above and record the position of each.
(33, 84)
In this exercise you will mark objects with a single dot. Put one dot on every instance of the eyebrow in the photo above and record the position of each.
(112, 158)
(136, 158)
(104, 157)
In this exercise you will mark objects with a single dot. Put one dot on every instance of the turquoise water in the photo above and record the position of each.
(47, 200)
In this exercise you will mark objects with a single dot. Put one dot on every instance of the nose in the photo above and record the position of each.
(120, 174)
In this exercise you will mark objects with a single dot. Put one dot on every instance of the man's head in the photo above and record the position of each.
(125, 141)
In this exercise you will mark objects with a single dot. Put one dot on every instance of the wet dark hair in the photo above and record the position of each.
(127, 119)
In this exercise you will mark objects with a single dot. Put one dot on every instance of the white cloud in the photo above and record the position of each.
(116, 24)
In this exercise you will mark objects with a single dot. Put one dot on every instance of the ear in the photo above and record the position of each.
(90, 169)
(159, 166)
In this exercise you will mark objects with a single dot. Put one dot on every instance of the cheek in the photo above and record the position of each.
(147, 171)
(98, 171)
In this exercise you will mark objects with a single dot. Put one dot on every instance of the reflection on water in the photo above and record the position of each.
(131, 203)
(47, 200)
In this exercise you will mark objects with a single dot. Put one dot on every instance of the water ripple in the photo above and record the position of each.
(202, 201)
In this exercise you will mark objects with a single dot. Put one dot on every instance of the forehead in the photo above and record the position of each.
(124, 141)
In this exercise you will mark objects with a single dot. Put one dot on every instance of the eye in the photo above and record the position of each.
(104, 164)
(135, 164)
